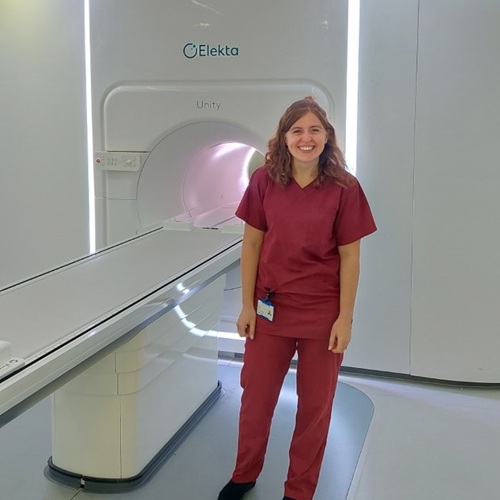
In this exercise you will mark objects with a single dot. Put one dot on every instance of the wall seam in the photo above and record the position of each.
(412, 258)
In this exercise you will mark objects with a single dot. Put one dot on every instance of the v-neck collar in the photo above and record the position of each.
(306, 185)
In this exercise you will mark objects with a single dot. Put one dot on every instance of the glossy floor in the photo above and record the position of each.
(415, 442)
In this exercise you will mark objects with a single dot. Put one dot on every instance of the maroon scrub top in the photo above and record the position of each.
(299, 260)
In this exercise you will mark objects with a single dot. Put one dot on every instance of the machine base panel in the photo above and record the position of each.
(104, 485)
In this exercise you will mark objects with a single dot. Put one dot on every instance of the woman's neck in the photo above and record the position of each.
(304, 174)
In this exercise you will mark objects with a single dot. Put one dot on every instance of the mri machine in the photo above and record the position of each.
(131, 329)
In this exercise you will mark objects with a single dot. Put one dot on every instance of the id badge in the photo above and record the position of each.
(265, 309)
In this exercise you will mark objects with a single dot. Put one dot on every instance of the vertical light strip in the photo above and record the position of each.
(90, 142)
(351, 147)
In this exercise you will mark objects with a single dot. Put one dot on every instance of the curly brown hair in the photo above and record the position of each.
(278, 160)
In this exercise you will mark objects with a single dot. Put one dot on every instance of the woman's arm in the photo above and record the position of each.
(349, 275)
(250, 252)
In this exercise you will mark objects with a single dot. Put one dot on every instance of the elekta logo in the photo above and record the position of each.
(191, 50)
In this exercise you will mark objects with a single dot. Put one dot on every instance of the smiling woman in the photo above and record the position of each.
(304, 217)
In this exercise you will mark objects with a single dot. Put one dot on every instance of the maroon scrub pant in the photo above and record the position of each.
(266, 362)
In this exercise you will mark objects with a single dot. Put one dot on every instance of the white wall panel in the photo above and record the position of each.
(388, 44)
(456, 276)
(43, 184)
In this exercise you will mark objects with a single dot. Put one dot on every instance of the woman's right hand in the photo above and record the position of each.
(246, 322)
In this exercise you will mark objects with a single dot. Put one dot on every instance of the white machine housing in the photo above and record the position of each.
(182, 161)
(196, 79)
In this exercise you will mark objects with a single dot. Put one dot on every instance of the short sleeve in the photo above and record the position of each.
(354, 217)
(251, 207)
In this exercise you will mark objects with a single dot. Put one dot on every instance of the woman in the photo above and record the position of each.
(304, 217)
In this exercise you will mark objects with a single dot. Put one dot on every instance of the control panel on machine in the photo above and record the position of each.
(123, 161)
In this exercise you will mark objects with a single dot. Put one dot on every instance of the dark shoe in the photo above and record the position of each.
(288, 498)
(235, 491)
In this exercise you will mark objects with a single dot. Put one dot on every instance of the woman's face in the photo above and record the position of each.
(306, 139)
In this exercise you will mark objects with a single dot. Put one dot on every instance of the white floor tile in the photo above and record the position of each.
(429, 443)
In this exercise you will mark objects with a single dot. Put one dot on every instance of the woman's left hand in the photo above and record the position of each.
(340, 335)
